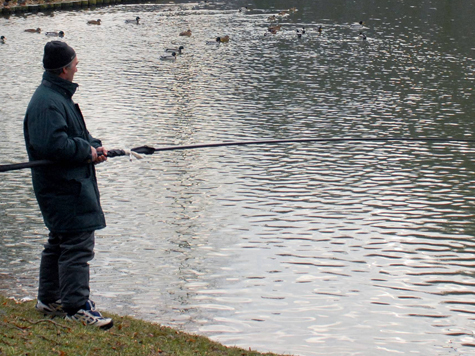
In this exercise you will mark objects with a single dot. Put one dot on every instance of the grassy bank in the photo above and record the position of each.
(23, 331)
(35, 6)
(13, 3)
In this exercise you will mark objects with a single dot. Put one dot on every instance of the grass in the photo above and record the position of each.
(23, 331)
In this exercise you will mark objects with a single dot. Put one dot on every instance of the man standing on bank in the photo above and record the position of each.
(67, 192)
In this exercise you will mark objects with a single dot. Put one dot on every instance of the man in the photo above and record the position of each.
(67, 191)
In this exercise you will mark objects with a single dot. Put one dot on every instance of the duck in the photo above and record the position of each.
(301, 32)
(55, 34)
(177, 50)
(168, 57)
(217, 41)
(358, 25)
(274, 29)
(3, 39)
(137, 20)
(363, 36)
(94, 22)
(293, 9)
(224, 39)
(320, 29)
(38, 30)
(186, 33)
(243, 9)
(284, 13)
(272, 18)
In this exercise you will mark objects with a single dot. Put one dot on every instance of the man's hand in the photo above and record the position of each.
(99, 155)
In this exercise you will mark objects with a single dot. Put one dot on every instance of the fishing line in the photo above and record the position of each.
(148, 150)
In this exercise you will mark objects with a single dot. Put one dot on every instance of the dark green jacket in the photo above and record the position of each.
(55, 130)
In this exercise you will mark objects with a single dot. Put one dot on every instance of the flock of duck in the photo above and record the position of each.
(301, 32)
(173, 52)
(60, 34)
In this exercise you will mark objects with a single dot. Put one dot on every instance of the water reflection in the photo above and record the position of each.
(305, 249)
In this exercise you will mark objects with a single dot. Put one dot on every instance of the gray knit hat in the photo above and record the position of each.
(57, 55)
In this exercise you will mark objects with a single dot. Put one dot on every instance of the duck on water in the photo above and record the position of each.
(177, 50)
(186, 33)
(136, 21)
(168, 57)
(358, 26)
(217, 41)
(55, 34)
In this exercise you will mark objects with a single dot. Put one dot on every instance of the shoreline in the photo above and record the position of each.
(35, 6)
(27, 332)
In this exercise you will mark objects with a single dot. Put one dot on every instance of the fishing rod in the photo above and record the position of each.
(148, 150)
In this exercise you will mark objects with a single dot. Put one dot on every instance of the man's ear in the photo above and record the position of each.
(63, 72)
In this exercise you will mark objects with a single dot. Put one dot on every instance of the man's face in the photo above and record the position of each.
(68, 73)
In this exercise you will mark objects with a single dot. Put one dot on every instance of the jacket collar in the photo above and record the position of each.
(63, 86)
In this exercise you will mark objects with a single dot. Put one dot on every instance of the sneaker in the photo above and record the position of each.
(90, 316)
(51, 309)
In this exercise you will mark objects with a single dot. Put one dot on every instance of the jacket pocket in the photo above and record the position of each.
(88, 199)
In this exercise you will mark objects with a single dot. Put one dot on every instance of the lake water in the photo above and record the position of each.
(361, 248)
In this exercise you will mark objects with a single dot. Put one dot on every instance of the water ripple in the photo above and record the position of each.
(309, 249)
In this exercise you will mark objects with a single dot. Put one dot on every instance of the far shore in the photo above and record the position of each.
(26, 6)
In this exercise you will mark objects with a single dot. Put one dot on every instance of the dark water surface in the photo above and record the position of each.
(310, 249)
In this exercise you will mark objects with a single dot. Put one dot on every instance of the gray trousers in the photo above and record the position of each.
(64, 269)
